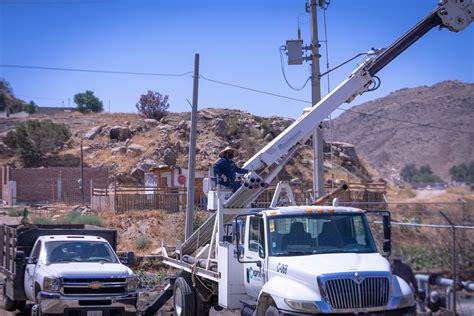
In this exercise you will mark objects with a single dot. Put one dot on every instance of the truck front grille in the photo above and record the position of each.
(94, 286)
(347, 293)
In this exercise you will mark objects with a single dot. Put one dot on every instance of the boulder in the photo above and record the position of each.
(93, 132)
(6, 150)
(136, 149)
(170, 157)
(221, 128)
(119, 150)
(151, 121)
(138, 174)
(147, 164)
(120, 133)
(8, 138)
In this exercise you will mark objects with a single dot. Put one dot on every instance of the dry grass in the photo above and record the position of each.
(156, 224)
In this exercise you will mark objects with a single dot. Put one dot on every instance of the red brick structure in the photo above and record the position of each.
(47, 185)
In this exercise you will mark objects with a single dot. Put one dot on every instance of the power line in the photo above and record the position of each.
(252, 89)
(34, 97)
(97, 71)
(230, 85)
(339, 108)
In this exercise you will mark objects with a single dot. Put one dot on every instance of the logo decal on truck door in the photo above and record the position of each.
(282, 268)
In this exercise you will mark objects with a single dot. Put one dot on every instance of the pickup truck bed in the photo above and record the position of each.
(16, 243)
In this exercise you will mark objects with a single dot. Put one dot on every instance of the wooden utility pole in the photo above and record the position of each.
(192, 155)
(318, 158)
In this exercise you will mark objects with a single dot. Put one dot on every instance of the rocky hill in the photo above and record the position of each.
(128, 144)
(390, 144)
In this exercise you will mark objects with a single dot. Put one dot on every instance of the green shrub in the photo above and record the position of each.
(41, 220)
(142, 242)
(34, 139)
(75, 217)
(149, 280)
(30, 108)
(411, 174)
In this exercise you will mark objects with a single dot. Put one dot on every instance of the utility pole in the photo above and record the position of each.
(109, 106)
(82, 176)
(192, 154)
(318, 158)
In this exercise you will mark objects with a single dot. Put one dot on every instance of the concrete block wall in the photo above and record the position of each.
(36, 185)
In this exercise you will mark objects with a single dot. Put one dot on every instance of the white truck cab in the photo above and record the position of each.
(66, 273)
(318, 260)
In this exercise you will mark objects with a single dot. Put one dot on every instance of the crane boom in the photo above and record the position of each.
(455, 15)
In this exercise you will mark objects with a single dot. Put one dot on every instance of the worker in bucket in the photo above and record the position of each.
(225, 169)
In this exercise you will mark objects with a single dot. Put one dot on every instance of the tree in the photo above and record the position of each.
(463, 172)
(88, 102)
(411, 174)
(153, 105)
(34, 139)
(30, 108)
(408, 172)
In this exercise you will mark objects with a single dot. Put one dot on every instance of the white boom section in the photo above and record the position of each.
(301, 129)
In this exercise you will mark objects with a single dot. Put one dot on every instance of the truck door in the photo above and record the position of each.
(29, 282)
(255, 272)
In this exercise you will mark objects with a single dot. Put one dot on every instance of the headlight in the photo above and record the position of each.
(51, 284)
(132, 283)
(302, 306)
(406, 301)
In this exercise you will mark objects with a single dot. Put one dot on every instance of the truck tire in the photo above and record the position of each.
(184, 298)
(7, 302)
(36, 308)
(271, 310)
(21, 305)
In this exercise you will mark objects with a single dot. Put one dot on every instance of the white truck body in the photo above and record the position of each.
(77, 278)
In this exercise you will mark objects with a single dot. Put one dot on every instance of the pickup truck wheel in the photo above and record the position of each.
(184, 299)
(7, 302)
(271, 311)
(21, 305)
(36, 309)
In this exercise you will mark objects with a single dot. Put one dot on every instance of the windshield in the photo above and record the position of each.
(319, 233)
(79, 251)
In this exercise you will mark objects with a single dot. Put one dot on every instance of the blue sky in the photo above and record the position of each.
(238, 42)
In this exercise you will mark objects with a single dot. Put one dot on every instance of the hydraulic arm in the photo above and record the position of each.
(454, 15)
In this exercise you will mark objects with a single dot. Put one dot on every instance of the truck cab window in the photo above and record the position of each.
(256, 236)
(36, 250)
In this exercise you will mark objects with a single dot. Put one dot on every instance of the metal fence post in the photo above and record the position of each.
(462, 203)
(453, 253)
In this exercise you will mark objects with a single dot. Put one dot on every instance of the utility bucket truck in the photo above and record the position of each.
(296, 260)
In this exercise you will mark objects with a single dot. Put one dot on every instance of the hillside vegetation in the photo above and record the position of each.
(389, 145)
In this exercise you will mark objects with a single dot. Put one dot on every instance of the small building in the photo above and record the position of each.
(166, 177)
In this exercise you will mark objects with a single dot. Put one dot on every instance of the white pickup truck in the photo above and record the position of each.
(66, 270)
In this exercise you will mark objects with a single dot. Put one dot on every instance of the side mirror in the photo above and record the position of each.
(32, 260)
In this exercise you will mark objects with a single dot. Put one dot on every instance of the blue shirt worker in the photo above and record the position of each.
(225, 169)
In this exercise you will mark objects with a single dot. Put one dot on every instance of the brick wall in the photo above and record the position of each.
(41, 184)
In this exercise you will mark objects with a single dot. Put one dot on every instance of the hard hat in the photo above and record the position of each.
(434, 297)
(227, 149)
